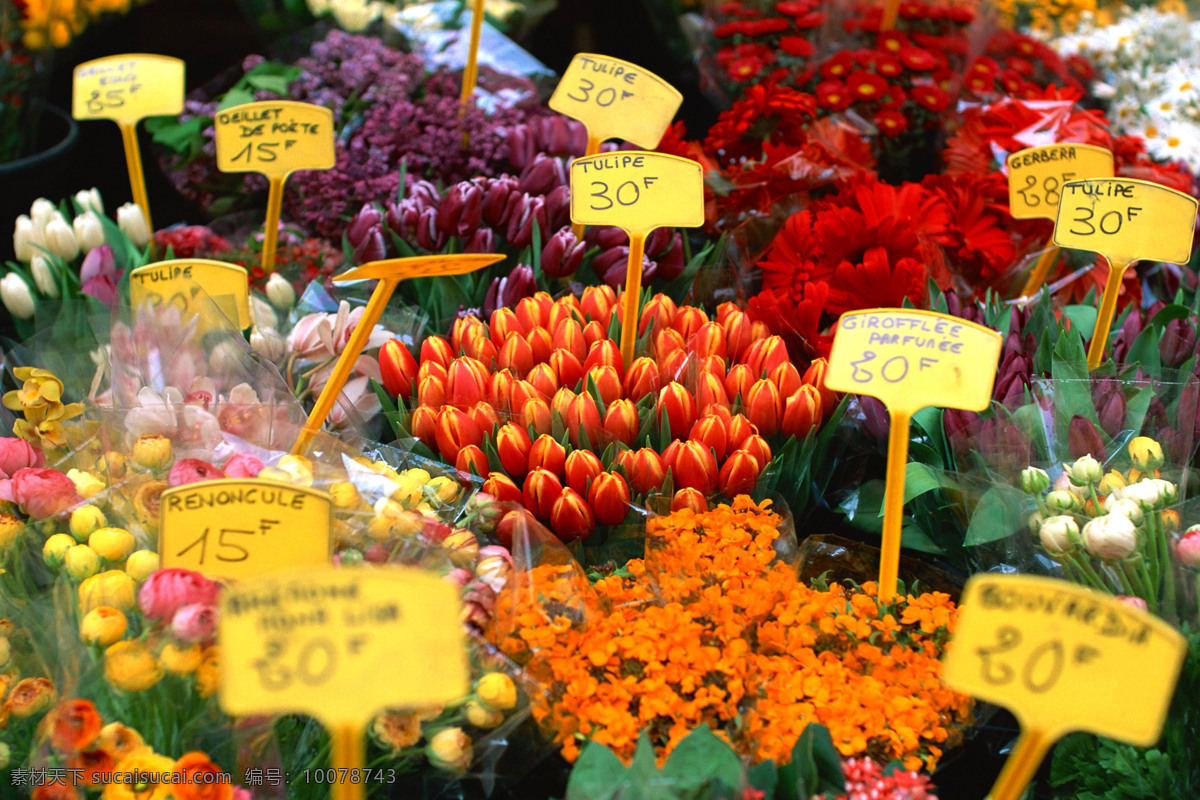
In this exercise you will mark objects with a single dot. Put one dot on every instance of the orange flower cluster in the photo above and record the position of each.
(713, 628)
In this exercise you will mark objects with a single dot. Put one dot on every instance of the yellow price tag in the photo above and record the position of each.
(244, 528)
(1125, 220)
(615, 99)
(128, 88)
(636, 191)
(1036, 176)
(910, 359)
(188, 283)
(1056, 655)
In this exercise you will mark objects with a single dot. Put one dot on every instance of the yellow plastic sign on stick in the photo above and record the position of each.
(187, 283)
(637, 192)
(615, 99)
(1056, 654)
(275, 138)
(244, 528)
(341, 645)
(126, 89)
(1035, 179)
(1125, 220)
(389, 273)
(471, 71)
(910, 359)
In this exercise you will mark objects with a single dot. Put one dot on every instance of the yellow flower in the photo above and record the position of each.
(396, 730)
(114, 544)
(147, 501)
(141, 775)
(130, 666)
(208, 674)
(344, 495)
(31, 696)
(54, 551)
(119, 740)
(141, 563)
(87, 485)
(450, 749)
(10, 528)
(86, 519)
(1146, 454)
(481, 716)
(111, 588)
(180, 660)
(151, 452)
(40, 387)
(82, 562)
(296, 470)
(442, 488)
(496, 690)
(103, 625)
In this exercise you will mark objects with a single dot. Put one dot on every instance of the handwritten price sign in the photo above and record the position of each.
(236, 528)
(188, 283)
(275, 138)
(1127, 220)
(637, 191)
(615, 99)
(127, 88)
(1056, 654)
(1036, 176)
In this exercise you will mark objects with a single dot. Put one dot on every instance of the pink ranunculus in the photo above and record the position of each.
(40, 492)
(192, 470)
(18, 454)
(167, 590)
(243, 465)
(194, 622)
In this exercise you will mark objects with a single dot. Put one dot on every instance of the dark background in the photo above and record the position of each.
(212, 36)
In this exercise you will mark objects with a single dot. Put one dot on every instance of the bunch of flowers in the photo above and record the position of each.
(539, 401)
(1146, 72)
(713, 628)
(1111, 531)
(866, 779)
(389, 112)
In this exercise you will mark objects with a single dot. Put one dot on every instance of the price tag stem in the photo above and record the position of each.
(1022, 765)
(893, 505)
(348, 752)
(1040, 270)
(633, 294)
(593, 147)
(271, 231)
(133, 162)
(471, 71)
(1108, 307)
(891, 10)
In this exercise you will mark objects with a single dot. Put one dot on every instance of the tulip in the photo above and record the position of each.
(609, 498)
(583, 420)
(569, 336)
(543, 378)
(535, 414)
(17, 298)
(563, 254)
(546, 453)
(801, 411)
(504, 323)
(432, 369)
(60, 239)
(571, 517)
(756, 446)
(581, 468)
(567, 368)
(42, 211)
(1111, 537)
(541, 491)
(607, 383)
(710, 431)
(786, 378)
(502, 488)
(455, 430)
(462, 326)
(648, 471)
(43, 275)
(431, 391)
(524, 391)
(88, 231)
(541, 343)
(25, 236)
(765, 355)
(496, 193)
(592, 333)
(694, 467)
(564, 308)
(1084, 439)
(621, 421)
(597, 303)
(738, 382)
(736, 326)
(642, 378)
(396, 365)
(709, 340)
(423, 424)
(529, 312)
(280, 292)
(738, 474)
(689, 498)
(471, 461)
(485, 417)
(763, 407)
(710, 393)
(666, 342)
(467, 382)
(460, 212)
(90, 200)
(1177, 343)
(436, 349)
(677, 404)
(513, 447)
(688, 320)
(656, 314)
(478, 346)
(499, 392)
(132, 223)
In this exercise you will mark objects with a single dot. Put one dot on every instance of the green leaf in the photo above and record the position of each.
(702, 756)
(919, 479)
(1083, 319)
(180, 137)
(764, 777)
(235, 97)
(597, 775)
(914, 537)
(999, 513)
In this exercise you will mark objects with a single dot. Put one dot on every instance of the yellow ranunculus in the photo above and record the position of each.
(10, 528)
(86, 519)
(111, 588)
(54, 551)
(130, 666)
(87, 485)
(103, 625)
(180, 660)
(151, 452)
(82, 562)
(141, 563)
(208, 674)
(141, 775)
(113, 544)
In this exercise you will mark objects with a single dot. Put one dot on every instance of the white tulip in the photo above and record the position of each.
(132, 223)
(43, 275)
(60, 239)
(24, 238)
(17, 298)
(269, 344)
(280, 292)
(1111, 537)
(89, 200)
(41, 211)
(88, 231)
(261, 313)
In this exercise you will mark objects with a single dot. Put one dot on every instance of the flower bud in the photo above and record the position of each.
(764, 407)
(81, 562)
(583, 420)
(648, 471)
(1125, 507)
(497, 691)
(1085, 471)
(1084, 439)
(43, 275)
(501, 487)
(141, 563)
(41, 212)
(711, 432)
(17, 298)
(513, 447)
(689, 498)
(85, 520)
(1187, 549)
(471, 461)
(609, 498)
(54, 551)
(546, 453)
(130, 666)
(113, 544)
(1146, 454)
(568, 370)
(25, 236)
(152, 452)
(1111, 537)
(1034, 480)
(102, 626)
(677, 404)
(449, 749)
(571, 517)
(397, 367)
(621, 421)
(60, 239)
(642, 378)
(1059, 534)
(90, 200)
(455, 430)
(562, 254)
(1060, 500)
(738, 381)
(280, 292)
(545, 380)
(88, 231)
(815, 375)
(597, 303)
(132, 223)
(542, 489)
(694, 467)
(481, 716)
(581, 468)
(801, 411)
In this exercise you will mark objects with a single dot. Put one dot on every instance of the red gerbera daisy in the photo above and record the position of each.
(891, 123)
(866, 86)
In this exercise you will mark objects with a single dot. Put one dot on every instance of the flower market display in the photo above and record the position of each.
(382, 503)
